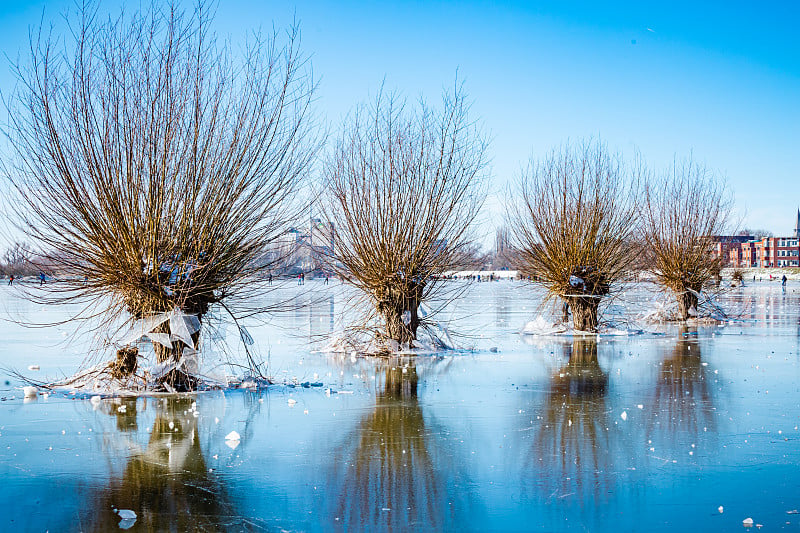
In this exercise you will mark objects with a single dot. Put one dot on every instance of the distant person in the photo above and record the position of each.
(326, 280)
(11, 279)
(783, 281)
(270, 278)
(42, 278)
(85, 280)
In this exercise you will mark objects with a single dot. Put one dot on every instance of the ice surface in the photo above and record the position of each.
(532, 432)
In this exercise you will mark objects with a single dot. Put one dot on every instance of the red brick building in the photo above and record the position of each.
(767, 252)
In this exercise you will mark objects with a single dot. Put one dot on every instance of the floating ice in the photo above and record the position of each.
(624, 415)
(126, 514)
(747, 522)
(542, 326)
(720, 509)
(291, 402)
(30, 391)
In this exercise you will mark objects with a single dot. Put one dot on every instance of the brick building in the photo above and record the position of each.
(767, 252)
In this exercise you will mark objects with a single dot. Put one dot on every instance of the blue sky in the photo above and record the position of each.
(719, 79)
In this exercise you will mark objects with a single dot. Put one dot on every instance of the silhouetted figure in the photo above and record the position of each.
(42, 278)
(11, 279)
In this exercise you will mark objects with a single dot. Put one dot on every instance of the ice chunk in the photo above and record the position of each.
(179, 328)
(291, 402)
(126, 514)
(747, 522)
(542, 326)
(624, 415)
(161, 338)
(96, 400)
(30, 391)
(33, 367)
(720, 509)
(233, 435)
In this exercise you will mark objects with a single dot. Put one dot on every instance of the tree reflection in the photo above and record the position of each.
(683, 397)
(572, 444)
(390, 477)
(168, 483)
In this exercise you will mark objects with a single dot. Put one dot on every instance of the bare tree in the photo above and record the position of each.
(682, 211)
(17, 261)
(573, 226)
(156, 164)
(404, 187)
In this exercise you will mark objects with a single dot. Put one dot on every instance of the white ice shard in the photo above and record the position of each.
(30, 391)
(126, 514)
(233, 435)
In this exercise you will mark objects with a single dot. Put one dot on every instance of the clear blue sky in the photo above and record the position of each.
(721, 79)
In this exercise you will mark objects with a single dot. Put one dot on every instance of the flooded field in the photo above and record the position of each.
(676, 427)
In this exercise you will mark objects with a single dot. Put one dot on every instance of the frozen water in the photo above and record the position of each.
(531, 433)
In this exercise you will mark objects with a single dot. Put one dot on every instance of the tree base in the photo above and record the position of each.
(584, 312)
(126, 364)
(686, 302)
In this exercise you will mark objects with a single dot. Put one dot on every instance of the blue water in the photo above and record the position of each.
(621, 433)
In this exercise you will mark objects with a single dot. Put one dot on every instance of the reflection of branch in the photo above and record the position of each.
(682, 398)
(167, 485)
(573, 440)
(388, 477)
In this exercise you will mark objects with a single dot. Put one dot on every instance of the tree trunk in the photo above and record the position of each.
(584, 312)
(402, 321)
(178, 379)
(400, 312)
(686, 301)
